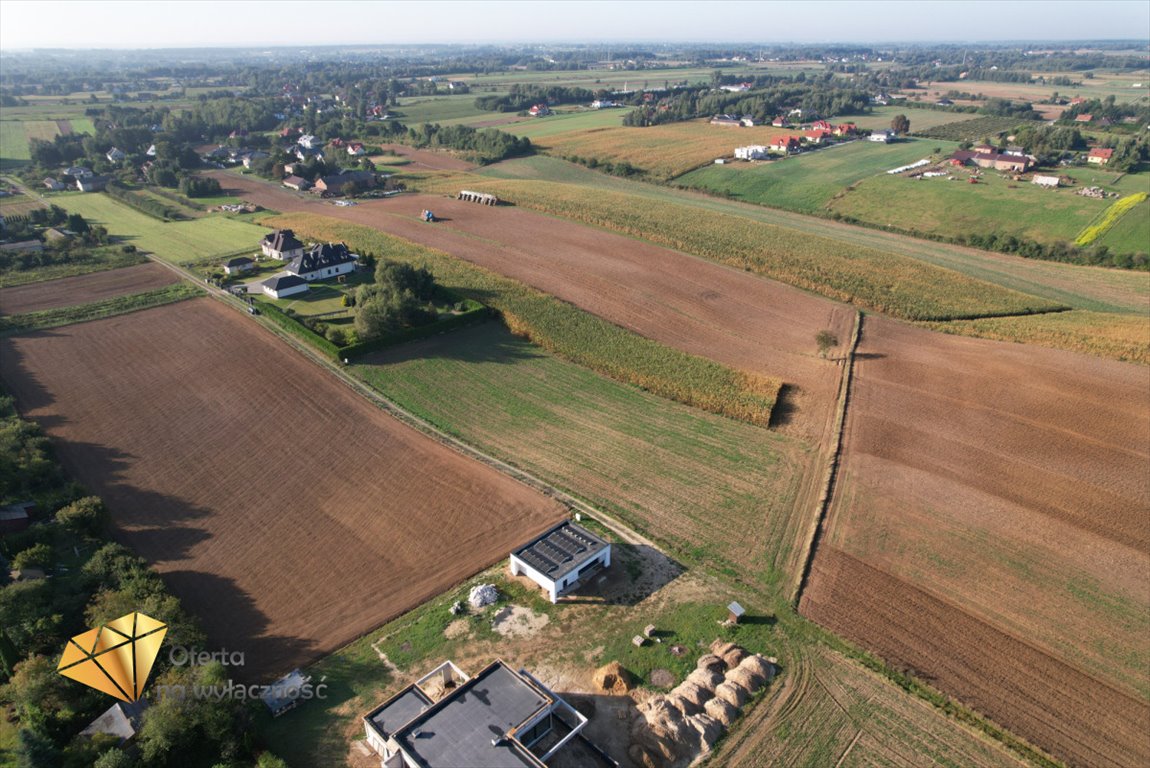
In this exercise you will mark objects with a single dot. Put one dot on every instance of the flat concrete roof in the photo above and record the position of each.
(400, 710)
(460, 729)
(561, 550)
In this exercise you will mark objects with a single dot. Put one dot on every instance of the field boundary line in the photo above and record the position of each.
(818, 520)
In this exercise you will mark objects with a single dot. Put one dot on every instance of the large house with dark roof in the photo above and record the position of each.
(323, 261)
(281, 244)
(498, 719)
(334, 185)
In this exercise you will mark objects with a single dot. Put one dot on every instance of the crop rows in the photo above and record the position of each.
(1118, 337)
(970, 130)
(567, 331)
(869, 278)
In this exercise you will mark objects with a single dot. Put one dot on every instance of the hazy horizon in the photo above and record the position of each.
(68, 24)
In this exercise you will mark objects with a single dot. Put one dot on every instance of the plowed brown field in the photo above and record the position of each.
(989, 531)
(703, 308)
(84, 289)
(1051, 703)
(285, 511)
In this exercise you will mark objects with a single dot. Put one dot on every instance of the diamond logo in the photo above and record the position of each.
(115, 658)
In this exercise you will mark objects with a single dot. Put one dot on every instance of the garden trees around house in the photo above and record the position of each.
(900, 124)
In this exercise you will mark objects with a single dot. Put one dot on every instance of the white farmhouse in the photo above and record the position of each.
(323, 261)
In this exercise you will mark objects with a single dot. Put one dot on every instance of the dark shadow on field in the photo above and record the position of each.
(486, 342)
(232, 622)
(607, 732)
(869, 355)
(160, 528)
(785, 408)
(637, 571)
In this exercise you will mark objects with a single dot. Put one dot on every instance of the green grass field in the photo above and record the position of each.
(956, 208)
(920, 119)
(807, 182)
(1132, 232)
(562, 122)
(13, 143)
(445, 110)
(716, 488)
(182, 242)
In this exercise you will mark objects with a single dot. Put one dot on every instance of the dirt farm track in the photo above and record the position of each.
(284, 510)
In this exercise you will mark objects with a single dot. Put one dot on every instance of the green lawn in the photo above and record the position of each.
(181, 242)
(920, 119)
(444, 110)
(13, 142)
(589, 119)
(807, 182)
(713, 487)
(954, 208)
(1132, 232)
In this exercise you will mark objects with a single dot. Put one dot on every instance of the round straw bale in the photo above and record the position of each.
(705, 678)
(712, 663)
(732, 694)
(745, 679)
(721, 710)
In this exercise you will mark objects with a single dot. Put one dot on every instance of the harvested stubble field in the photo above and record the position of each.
(867, 277)
(169, 415)
(1011, 480)
(662, 151)
(832, 711)
(714, 489)
(84, 289)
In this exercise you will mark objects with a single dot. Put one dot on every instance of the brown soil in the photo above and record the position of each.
(695, 305)
(427, 160)
(1050, 703)
(287, 513)
(84, 289)
(1011, 480)
(64, 127)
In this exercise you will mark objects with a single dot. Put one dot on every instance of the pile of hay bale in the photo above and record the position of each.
(612, 679)
(688, 720)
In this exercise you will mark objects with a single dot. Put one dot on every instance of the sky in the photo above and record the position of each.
(243, 23)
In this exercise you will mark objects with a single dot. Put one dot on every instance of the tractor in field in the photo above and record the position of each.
(427, 216)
